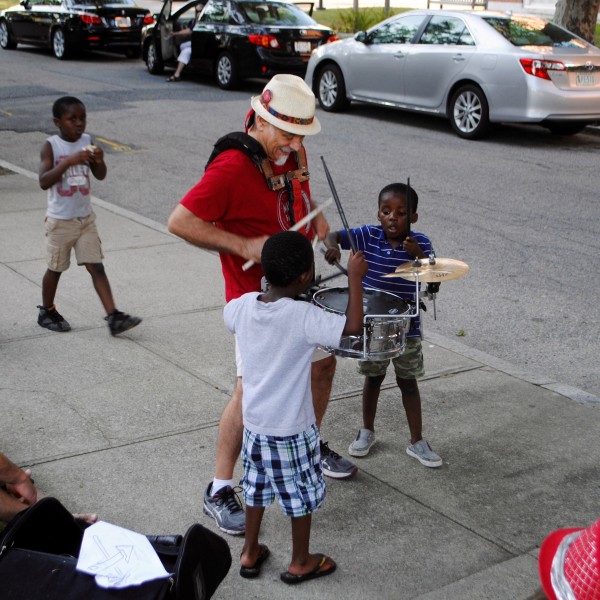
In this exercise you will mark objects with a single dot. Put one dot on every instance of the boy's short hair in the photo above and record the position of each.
(285, 256)
(400, 189)
(63, 104)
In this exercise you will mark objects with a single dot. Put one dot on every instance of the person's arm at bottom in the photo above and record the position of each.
(357, 269)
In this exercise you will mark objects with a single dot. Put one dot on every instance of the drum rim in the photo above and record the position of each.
(384, 292)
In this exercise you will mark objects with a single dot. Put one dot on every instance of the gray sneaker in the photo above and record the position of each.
(226, 509)
(422, 451)
(335, 466)
(363, 443)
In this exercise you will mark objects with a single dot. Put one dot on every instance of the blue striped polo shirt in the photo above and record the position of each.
(383, 259)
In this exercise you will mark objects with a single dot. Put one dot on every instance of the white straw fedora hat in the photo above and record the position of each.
(288, 103)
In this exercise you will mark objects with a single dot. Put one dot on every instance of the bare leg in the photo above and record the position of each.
(178, 70)
(411, 399)
(322, 373)
(229, 440)
(251, 549)
(302, 561)
(102, 286)
(370, 399)
(49, 285)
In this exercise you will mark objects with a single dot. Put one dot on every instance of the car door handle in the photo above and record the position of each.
(399, 54)
(458, 58)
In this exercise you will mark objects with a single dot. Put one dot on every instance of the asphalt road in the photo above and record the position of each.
(521, 208)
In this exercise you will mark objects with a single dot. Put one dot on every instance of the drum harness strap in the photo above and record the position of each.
(291, 180)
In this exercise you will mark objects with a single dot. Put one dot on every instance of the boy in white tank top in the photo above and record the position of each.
(66, 160)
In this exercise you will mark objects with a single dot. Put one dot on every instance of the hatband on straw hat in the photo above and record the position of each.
(569, 563)
(288, 103)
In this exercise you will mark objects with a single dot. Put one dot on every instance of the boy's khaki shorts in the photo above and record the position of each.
(64, 235)
(409, 365)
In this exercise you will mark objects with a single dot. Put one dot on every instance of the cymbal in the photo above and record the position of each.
(444, 269)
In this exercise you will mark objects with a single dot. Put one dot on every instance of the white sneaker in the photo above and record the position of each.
(362, 444)
(422, 451)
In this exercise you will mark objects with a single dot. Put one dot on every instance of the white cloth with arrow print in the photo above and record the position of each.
(118, 557)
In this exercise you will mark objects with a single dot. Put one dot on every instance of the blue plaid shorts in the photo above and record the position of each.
(288, 468)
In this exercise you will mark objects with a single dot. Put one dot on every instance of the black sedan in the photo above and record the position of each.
(69, 26)
(237, 39)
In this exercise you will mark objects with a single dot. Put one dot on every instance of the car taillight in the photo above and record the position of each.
(333, 38)
(267, 41)
(148, 20)
(90, 19)
(539, 68)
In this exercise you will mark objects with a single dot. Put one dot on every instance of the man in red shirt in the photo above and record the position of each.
(251, 189)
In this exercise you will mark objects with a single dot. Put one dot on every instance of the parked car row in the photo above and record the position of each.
(69, 26)
(475, 68)
(237, 39)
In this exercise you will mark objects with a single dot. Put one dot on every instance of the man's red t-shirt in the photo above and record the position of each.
(234, 195)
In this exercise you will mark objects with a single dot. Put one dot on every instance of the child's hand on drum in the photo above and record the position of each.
(357, 265)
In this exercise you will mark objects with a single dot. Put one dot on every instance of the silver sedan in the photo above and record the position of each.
(475, 68)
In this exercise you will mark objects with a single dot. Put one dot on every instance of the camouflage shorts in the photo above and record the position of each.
(409, 365)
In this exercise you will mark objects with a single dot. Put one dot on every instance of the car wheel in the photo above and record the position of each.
(469, 113)
(6, 40)
(331, 89)
(226, 72)
(566, 128)
(60, 48)
(153, 62)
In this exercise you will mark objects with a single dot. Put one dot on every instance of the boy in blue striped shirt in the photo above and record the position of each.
(386, 247)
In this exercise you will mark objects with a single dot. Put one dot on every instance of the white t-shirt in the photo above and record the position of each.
(276, 341)
(69, 198)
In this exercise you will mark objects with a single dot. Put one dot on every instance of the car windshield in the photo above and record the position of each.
(275, 13)
(533, 31)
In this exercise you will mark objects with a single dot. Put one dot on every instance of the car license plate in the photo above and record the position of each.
(582, 79)
(122, 22)
(302, 47)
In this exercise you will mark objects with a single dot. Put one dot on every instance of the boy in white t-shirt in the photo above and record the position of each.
(66, 161)
(276, 337)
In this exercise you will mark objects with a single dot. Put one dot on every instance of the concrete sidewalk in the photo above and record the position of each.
(126, 427)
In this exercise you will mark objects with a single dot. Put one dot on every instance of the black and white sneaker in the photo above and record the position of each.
(226, 509)
(335, 466)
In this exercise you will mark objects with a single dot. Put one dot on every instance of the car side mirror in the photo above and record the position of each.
(362, 36)
(25, 4)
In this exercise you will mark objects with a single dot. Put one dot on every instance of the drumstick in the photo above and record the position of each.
(408, 206)
(339, 207)
(303, 221)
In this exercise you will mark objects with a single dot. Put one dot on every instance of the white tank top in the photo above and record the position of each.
(69, 198)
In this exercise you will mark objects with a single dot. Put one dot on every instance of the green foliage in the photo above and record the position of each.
(346, 20)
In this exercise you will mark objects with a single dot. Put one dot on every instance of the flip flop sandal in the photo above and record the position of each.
(254, 571)
(174, 79)
(318, 571)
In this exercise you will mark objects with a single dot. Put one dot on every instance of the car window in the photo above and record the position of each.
(101, 3)
(275, 13)
(399, 31)
(533, 31)
(216, 12)
(445, 31)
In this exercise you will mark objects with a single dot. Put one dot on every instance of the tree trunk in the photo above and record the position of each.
(578, 16)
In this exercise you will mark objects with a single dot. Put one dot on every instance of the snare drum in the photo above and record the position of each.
(386, 323)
